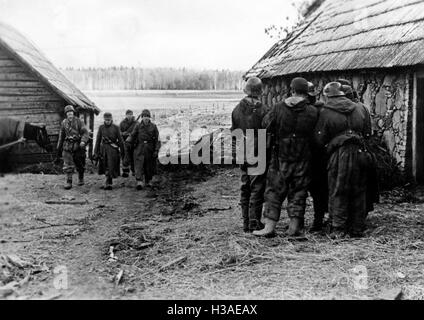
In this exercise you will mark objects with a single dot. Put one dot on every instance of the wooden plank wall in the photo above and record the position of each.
(24, 97)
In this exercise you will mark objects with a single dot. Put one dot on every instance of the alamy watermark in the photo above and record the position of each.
(220, 147)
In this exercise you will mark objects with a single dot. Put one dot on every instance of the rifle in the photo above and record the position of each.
(106, 140)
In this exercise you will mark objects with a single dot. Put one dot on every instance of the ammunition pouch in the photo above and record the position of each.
(72, 144)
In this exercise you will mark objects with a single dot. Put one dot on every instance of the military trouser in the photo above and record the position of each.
(319, 189)
(286, 180)
(252, 193)
(128, 161)
(74, 160)
(347, 183)
(144, 162)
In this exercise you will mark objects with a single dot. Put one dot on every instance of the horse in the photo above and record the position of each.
(13, 132)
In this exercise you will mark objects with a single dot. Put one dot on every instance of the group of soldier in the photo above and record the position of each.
(315, 147)
(135, 143)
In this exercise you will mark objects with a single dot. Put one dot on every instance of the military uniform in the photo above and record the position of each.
(126, 127)
(342, 127)
(145, 137)
(109, 144)
(72, 133)
(319, 180)
(292, 122)
(249, 114)
(373, 190)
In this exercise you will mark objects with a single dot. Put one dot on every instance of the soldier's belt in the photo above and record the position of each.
(72, 139)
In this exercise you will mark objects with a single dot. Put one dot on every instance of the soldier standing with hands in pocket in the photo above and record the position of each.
(109, 146)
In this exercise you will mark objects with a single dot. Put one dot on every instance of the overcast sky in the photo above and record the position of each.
(227, 34)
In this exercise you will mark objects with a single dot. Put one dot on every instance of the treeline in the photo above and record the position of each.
(123, 78)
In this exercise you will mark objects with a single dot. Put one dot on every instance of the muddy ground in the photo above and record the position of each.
(191, 217)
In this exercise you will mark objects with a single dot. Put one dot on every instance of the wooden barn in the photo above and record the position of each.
(378, 45)
(34, 90)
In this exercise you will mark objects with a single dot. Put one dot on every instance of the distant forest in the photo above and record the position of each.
(123, 78)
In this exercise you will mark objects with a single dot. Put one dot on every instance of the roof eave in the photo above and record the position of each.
(44, 80)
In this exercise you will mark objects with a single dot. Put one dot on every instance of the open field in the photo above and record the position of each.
(165, 104)
(202, 112)
(192, 217)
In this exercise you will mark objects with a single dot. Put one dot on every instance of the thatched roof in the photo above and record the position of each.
(350, 35)
(25, 52)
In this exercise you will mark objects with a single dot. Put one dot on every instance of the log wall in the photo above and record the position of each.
(24, 97)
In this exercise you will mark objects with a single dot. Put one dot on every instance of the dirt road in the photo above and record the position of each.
(183, 240)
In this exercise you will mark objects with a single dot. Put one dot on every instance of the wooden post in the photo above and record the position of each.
(90, 147)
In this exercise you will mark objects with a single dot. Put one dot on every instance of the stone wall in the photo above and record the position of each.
(386, 94)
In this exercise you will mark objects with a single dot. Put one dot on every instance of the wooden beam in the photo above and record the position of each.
(20, 76)
(12, 69)
(414, 128)
(91, 126)
(21, 84)
(25, 92)
(8, 63)
(39, 98)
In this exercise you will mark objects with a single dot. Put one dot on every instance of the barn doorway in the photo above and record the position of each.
(419, 130)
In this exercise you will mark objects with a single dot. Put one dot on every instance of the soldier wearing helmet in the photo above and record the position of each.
(249, 114)
(145, 138)
(341, 130)
(127, 126)
(73, 139)
(373, 191)
(292, 122)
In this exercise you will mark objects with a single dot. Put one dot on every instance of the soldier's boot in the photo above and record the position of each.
(81, 181)
(125, 173)
(269, 229)
(140, 185)
(259, 218)
(68, 182)
(149, 184)
(337, 233)
(245, 214)
(295, 227)
(318, 224)
(108, 185)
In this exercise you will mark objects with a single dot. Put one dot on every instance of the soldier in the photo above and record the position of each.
(145, 136)
(249, 114)
(293, 122)
(373, 190)
(341, 128)
(109, 144)
(127, 126)
(319, 177)
(73, 139)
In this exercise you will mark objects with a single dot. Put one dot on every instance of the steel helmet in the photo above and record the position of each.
(69, 109)
(146, 114)
(333, 89)
(253, 87)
